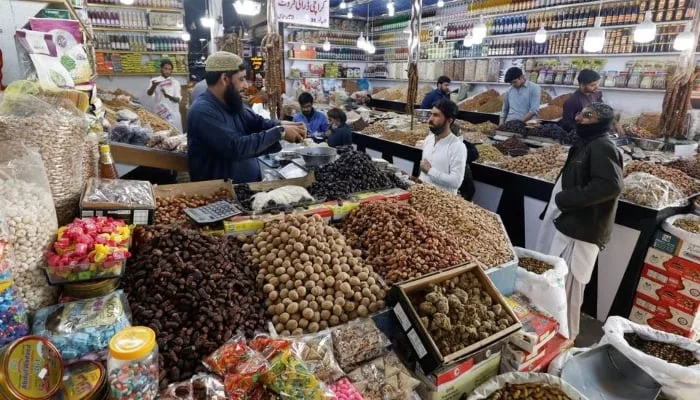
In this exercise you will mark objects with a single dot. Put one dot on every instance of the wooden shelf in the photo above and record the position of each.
(123, 6)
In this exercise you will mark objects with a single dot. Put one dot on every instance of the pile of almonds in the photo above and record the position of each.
(682, 181)
(170, 210)
(538, 162)
(310, 275)
(479, 230)
(400, 243)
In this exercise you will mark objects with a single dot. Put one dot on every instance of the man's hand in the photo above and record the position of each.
(294, 133)
(425, 166)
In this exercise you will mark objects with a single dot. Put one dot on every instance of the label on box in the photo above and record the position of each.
(402, 317)
(665, 242)
(657, 258)
(649, 287)
(671, 314)
(416, 343)
(538, 326)
(656, 275)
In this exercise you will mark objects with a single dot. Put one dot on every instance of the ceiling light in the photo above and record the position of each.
(479, 30)
(390, 8)
(440, 3)
(127, 2)
(595, 38)
(468, 41)
(207, 22)
(303, 47)
(369, 48)
(478, 40)
(361, 42)
(541, 35)
(186, 37)
(247, 7)
(326, 45)
(350, 14)
(684, 40)
(645, 32)
(343, 5)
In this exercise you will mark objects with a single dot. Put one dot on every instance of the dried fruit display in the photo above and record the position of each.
(514, 147)
(688, 224)
(650, 122)
(683, 182)
(311, 277)
(523, 391)
(665, 351)
(170, 210)
(514, 126)
(488, 153)
(399, 242)
(638, 132)
(560, 100)
(494, 105)
(480, 230)
(534, 265)
(554, 131)
(689, 166)
(474, 137)
(538, 162)
(376, 128)
(545, 97)
(460, 312)
(406, 137)
(487, 128)
(551, 112)
(479, 100)
(648, 190)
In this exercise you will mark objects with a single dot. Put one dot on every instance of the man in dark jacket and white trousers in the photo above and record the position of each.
(579, 218)
(224, 136)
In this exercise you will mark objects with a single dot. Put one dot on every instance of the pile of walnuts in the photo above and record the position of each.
(459, 312)
(400, 243)
(310, 276)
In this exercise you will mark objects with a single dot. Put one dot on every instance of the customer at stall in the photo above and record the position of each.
(167, 92)
(579, 217)
(340, 133)
(441, 92)
(588, 92)
(315, 121)
(522, 100)
(224, 135)
(444, 155)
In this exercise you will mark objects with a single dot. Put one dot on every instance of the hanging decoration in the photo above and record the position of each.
(230, 42)
(272, 51)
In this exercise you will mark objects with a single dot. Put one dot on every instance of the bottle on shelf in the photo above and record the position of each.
(107, 168)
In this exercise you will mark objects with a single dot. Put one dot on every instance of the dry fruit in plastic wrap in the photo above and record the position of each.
(648, 190)
(83, 327)
(198, 387)
(357, 342)
(385, 378)
(242, 368)
(345, 390)
(316, 350)
(120, 191)
(293, 380)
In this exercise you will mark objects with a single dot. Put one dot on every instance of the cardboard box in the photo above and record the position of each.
(648, 311)
(463, 380)
(423, 348)
(450, 372)
(538, 362)
(676, 246)
(675, 272)
(538, 326)
(141, 214)
(341, 210)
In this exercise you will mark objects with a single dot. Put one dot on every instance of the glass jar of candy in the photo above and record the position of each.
(132, 366)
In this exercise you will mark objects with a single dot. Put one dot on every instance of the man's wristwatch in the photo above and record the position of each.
(281, 131)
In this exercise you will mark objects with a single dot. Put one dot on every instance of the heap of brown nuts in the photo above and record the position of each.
(534, 265)
(311, 277)
(399, 242)
(688, 224)
(538, 162)
(458, 312)
(194, 290)
(489, 153)
(525, 391)
(479, 230)
(682, 181)
(170, 210)
(665, 351)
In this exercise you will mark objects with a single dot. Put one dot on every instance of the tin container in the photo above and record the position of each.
(87, 290)
(31, 368)
(84, 380)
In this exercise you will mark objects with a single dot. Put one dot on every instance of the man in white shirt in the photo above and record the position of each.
(167, 91)
(444, 154)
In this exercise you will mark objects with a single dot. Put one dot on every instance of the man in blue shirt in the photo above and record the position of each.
(224, 135)
(315, 121)
(441, 92)
(522, 100)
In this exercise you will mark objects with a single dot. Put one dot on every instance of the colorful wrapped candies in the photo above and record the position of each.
(13, 317)
(89, 248)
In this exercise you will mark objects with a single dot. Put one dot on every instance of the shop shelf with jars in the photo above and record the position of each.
(172, 6)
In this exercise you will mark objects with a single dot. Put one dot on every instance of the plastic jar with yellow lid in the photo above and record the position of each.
(31, 368)
(132, 366)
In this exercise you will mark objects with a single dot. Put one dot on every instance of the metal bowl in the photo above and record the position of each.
(648, 144)
(317, 156)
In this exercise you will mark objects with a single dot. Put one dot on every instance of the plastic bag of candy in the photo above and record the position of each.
(358, 341)
(344, 390)
(316, 350)
(384, 378)
(82, 327)
(293, 380)
(269, 346)
(13, 317)
(242, 368)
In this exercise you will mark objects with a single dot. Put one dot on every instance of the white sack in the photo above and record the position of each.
(691, 238)
(499, 381)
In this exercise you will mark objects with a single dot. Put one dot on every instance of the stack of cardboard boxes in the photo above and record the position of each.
(668, 293)
(532, 348)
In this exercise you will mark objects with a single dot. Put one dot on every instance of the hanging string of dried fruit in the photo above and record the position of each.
(675, 105)
(272, 51)
(230, 42)
(412, 88)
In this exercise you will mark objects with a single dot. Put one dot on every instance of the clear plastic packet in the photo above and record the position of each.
(316, 350)
(358, 341)
(293, 380)
(242, 368)
(122, 192)
(198, 387)
(385, 378)
(82, 327)
(269, 346)
(344, 389)
(648, 190)
(13, 317)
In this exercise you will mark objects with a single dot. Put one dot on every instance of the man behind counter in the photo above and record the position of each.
(442, 92)
(588, 93)
(522, 100)
(225, 136)
(315, 121)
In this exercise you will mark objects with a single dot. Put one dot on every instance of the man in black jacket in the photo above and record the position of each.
(581, 212)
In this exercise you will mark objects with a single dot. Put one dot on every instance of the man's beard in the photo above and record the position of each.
(436, 129)
(233, 99)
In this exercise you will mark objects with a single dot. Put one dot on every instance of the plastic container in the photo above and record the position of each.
(88, 290)
(621, 79)
(85, 272)
(635, 80)
(610, 79)
(132, 366)
(647, 81)
(660, 80)
(41, 381)
(84, 380)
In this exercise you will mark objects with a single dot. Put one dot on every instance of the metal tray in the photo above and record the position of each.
(606, 374)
